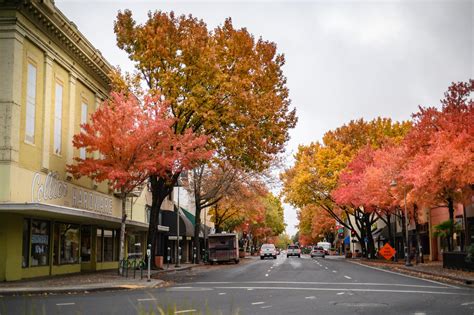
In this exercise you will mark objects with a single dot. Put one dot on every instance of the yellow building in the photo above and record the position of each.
(52, 78)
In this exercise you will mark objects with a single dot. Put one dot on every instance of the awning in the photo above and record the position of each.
(73, 215)
(168, 218)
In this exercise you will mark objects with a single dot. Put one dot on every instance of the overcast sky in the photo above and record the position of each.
(344, 59)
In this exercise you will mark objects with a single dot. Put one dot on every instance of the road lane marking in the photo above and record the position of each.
(185, 311)
(326, 268)
(266, 275)
(312, 297)
(345, 289)
(340, 293)
(266, 306)
(258, 303)
(65, 304)
(347, 277)
(321, 283)
(467, 303)
(404, 275)
(149, 299)
(222, 293)
(334, 271)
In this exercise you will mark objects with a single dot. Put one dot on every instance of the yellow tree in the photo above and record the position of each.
(223, 83)
(315, 174)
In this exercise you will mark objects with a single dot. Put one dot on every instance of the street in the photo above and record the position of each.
(292, 285)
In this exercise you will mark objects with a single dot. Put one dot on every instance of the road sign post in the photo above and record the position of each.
(148, 253)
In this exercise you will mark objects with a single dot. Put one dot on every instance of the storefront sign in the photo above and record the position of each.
(52, 188)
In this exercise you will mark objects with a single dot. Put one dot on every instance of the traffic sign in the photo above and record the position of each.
(387, 251)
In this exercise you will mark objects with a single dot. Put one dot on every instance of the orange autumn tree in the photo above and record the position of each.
(127, 140)
(441, 151)
(223, 83)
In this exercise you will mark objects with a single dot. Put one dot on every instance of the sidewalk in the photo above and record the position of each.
(87, 282)
(432, 270)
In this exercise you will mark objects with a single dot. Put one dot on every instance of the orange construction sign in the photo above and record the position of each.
(387, 251)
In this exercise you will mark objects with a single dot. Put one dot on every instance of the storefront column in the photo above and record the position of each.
(11, 229)
(72, 114)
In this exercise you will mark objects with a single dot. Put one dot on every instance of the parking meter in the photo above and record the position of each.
(148, 253)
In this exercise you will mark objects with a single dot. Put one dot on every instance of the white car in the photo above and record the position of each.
(268, 250)
(293, 250)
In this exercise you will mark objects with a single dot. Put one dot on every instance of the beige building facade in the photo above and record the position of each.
(52, 79)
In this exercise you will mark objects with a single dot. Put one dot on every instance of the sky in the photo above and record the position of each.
(344, 59)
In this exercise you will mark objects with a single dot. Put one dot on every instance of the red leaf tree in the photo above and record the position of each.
(127, 141)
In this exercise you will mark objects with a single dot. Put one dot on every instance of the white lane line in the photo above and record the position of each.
(222, 293)
(185, 311)
(467, 303)
(347, 277)
(65, 304)
(258, 303)
(404, 275)
(326, 268)
(149, 299)
(266, 275)
(345, 289)
(323, 283)
(266, 306)
(334, 271)
(312, 297)
(340, 293)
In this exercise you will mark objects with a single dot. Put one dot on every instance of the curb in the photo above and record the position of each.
(421, 274)
(74, 290)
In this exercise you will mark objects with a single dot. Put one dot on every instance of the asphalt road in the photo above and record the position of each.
(282, 286)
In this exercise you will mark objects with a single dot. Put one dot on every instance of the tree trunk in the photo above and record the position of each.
(197, 227)
(122, 232)
(159, 191)
(451, 227)
(370, 239)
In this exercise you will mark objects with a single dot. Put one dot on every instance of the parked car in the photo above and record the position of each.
(318, 251)
(268, 250)
(293, 250)
(325, 245)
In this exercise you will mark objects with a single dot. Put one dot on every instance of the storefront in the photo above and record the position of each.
(43, 237)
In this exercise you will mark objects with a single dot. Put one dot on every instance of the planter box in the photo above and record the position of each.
(457, 260)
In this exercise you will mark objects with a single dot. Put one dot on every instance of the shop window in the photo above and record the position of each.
(85, 244)
(108, 245)
(99, 245)
(26, 244)
(66, 244)
(117, 245)
(134, 246)
(39, 243)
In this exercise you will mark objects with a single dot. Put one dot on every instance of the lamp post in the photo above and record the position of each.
(178, 184)
(407, 254)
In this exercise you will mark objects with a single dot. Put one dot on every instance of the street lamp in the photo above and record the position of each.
(407, 255)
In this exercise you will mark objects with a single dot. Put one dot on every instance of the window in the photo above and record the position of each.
(85, 244)
(26, 244)
(66, 244)
(108, 245)
(58, 114)
(135, 246)
(82, 151)
(30, 104)
(99, 245)
(39, 243)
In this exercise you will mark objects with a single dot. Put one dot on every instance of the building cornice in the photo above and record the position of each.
(50, 20)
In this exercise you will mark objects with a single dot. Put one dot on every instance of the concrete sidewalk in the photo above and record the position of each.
(88, 282)
(429, 270)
